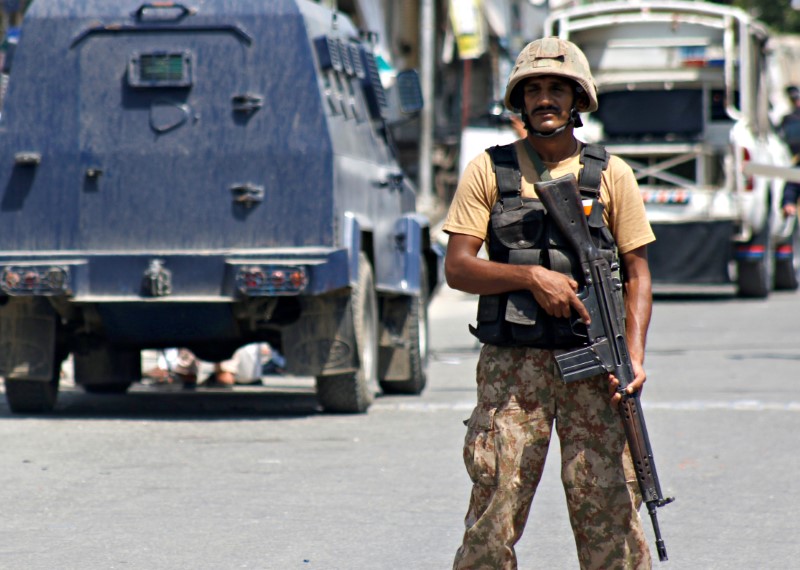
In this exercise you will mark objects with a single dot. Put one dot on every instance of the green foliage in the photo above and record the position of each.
(777, 14)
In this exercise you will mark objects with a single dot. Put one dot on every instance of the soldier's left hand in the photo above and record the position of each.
(639, 378)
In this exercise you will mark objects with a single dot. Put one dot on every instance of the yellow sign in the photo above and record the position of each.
(469, 28)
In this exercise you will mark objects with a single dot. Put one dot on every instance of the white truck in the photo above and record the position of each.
(684, 98)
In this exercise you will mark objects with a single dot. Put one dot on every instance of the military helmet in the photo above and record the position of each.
(551, 56)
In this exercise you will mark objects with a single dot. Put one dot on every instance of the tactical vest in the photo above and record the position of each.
(521, 232)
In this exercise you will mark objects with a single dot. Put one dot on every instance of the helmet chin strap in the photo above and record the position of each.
(551, 134)
(574, 119)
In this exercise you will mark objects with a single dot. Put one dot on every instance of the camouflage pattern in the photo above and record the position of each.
(520, 398)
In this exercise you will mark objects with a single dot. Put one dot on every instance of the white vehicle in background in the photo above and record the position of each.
(684, 98)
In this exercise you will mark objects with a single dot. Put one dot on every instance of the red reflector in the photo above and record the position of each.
(253, 279)
(30, 280)
(751, 248)
(297, 279)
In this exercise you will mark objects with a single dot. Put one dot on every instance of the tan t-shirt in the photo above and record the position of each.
(477, 193)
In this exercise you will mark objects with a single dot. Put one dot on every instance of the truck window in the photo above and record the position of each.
(160, 69)
(638, 114)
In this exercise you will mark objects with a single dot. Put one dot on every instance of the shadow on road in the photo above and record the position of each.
(694, 293)
(290, 400)
(173, 404)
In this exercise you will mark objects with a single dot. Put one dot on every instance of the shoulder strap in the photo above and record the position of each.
(594, 158)
(509, 178)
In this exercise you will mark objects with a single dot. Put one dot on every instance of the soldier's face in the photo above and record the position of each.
(548, 100)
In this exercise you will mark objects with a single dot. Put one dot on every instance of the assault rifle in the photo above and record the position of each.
(607, 350)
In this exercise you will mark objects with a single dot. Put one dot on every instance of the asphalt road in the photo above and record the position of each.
(259, 478)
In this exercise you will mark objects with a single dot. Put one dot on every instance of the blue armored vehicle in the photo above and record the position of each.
(206, 175)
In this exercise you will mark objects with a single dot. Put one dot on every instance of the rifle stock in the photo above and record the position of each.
(607, 351)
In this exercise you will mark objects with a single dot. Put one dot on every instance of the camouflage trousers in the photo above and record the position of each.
(520, 398)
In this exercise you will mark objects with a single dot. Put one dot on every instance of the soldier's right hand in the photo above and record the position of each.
(556, 293)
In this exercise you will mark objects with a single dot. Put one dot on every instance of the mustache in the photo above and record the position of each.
(551, 108)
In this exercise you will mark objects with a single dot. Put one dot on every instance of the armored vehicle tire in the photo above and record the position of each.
(107, 370)
(106, 388)
(354, 392)
(32, 396)
(417, 338)
(787, 265)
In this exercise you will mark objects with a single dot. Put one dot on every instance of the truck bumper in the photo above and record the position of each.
(149, 277)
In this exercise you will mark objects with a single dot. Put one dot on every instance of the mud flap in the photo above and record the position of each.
(394, 362)
(27, 340)
(322, 342)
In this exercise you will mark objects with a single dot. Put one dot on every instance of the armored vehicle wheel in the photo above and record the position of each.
(31, 396)
(106, 388)
(107, 370)
(416, 337)
(787, 263)
(353, 393)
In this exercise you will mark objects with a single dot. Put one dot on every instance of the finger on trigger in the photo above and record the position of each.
(582, 312)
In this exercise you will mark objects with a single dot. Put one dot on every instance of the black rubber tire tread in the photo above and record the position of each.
(353, 393)
(755, 277)
(787, 269)
(106, 389)
(785, 275)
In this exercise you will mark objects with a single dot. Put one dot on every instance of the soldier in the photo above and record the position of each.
(528, 292)
(790, 131)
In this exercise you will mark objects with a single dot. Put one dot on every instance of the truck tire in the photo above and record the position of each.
(32, 396)
(354, 392)
(416, 338)
(787, 263)
(754, 276)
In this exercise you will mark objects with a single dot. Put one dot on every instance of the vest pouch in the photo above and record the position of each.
(522, 308)
(491, 329)
(523, 314)
(517, 229)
